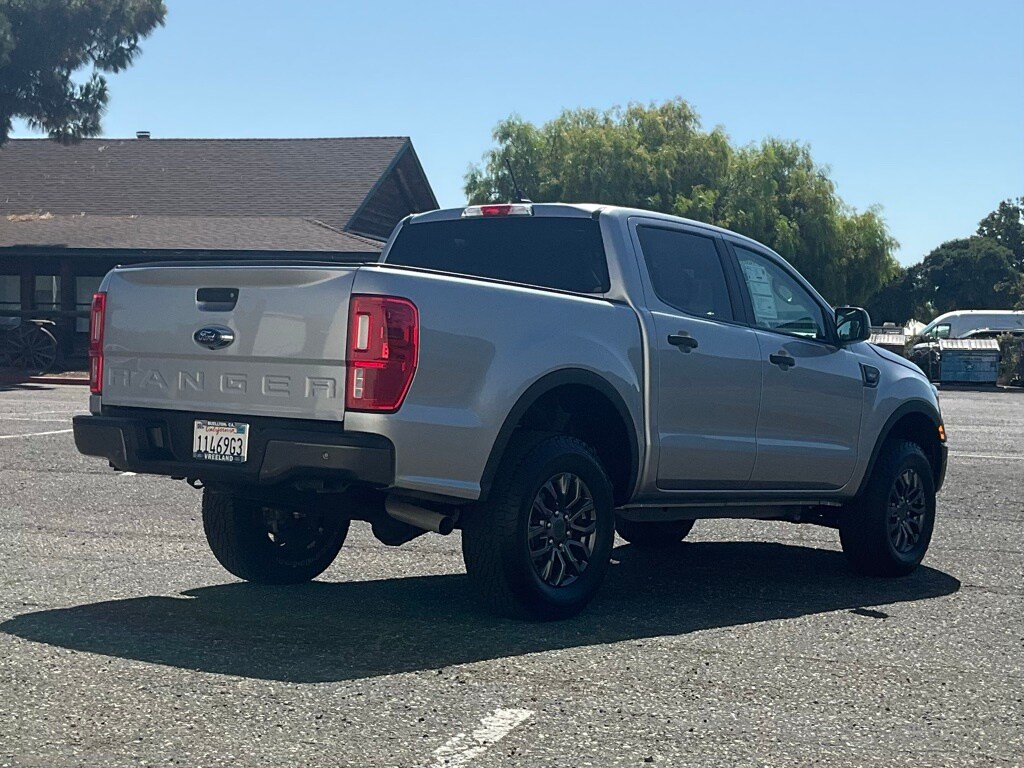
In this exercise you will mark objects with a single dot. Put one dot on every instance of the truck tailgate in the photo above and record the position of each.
(289, 328)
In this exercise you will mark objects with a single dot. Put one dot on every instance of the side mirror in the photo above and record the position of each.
(853, 324)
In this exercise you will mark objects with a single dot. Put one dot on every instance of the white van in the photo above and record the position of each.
(960, 323)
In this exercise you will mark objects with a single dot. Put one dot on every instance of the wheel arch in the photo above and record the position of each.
(918, 422)
(586, 398)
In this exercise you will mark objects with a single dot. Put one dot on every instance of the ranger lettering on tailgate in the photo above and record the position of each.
(271, 385)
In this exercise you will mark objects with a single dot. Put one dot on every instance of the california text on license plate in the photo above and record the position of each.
(226, 441)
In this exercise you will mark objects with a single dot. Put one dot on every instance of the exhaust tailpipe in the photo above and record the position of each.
(420, 517)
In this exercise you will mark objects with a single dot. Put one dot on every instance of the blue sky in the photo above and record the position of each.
(915, 106)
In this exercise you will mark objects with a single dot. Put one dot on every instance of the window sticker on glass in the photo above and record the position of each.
(757, 278)
(760, 284)
(779, 303)
(764, 308)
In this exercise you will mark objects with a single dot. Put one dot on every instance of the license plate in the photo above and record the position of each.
(225, 441)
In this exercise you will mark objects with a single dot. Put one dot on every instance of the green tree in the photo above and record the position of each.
(658, 157)
(53, 54)
(777, 194)
(901, 299)
(1005, 225)
(972, 273)
(654, 158)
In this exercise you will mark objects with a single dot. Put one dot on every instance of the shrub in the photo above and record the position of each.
(1011, 366)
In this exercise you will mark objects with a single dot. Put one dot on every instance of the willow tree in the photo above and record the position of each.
(659, 157)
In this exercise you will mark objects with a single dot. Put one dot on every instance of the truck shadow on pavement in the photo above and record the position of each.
(326, 631)
(15, 386)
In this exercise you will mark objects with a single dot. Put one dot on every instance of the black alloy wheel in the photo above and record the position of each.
(271, 544)
(908, 509)
(562, 529)
(887, 529)
(540, 545)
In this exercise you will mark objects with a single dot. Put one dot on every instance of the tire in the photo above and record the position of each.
(653, 534)
(887, 530)
(267, 545)
(520, 546)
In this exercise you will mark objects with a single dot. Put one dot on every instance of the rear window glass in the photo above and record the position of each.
(551, 252)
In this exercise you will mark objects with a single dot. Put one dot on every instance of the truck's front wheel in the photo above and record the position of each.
(887, 530)
(271, 545)
(540, 546)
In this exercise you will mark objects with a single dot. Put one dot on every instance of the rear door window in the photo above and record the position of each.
(686, 272)
(550, 252)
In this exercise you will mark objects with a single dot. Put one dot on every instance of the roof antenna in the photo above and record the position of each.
(520, 198)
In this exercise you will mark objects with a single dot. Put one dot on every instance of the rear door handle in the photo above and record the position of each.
(782, 359)
(683, 340)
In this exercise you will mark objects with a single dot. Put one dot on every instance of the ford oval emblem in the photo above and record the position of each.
(214, 337)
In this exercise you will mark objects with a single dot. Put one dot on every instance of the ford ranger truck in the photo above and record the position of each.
(539, 376)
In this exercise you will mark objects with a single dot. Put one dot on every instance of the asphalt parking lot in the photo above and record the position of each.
(123, 643)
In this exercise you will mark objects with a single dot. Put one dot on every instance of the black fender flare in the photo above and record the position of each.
(538, 389)
(911, 406)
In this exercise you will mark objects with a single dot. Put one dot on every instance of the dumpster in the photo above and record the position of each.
(894, 341)
(968, 361)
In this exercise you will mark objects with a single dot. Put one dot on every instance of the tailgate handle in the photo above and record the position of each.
(216, 299)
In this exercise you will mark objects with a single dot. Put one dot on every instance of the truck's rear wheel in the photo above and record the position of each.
(271, 545)
(887, 530)
(653, 534)
(539, 547)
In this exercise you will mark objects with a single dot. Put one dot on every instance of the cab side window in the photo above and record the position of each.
(937, 332)
(779, 302)
(686, 272)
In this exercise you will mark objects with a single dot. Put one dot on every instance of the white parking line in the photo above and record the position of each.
(38, 407)
(459, 750)
(997, 456)
(37, 434)
(28, 418)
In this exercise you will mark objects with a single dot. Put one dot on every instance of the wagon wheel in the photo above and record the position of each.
(33, 349)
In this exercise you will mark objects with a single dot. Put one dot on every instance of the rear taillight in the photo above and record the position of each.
(383, 343)
(97, 318)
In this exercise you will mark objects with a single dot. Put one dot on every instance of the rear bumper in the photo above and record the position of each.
(160, 443)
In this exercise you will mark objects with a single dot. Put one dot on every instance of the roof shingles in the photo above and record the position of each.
(218, 194)
(201, 233)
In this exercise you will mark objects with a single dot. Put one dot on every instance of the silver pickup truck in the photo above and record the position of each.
(539, 376)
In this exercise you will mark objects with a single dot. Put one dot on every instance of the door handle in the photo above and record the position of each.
(782, 359)
(683, 340)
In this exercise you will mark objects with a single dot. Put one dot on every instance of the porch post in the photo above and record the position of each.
(66, 323)
(28, 286)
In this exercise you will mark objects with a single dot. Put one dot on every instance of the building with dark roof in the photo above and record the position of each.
(68, 214)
